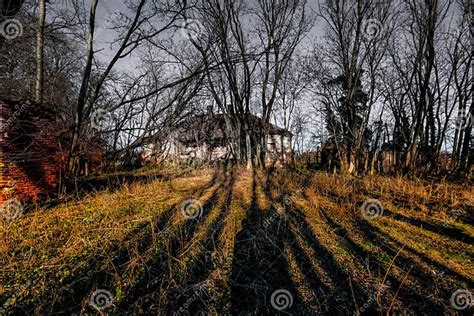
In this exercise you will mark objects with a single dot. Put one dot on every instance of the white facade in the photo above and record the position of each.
(278, 149)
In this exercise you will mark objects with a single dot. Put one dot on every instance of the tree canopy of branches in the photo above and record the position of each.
(373, 77)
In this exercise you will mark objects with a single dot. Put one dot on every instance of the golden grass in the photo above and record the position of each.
(137, 244)
(52, 241)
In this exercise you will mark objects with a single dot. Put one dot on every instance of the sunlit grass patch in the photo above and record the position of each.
(254, 233)
(49, 245)
(444, 250)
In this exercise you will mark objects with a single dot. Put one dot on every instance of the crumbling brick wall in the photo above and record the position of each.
(30, 159)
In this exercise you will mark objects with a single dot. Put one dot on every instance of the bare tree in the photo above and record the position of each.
(356, 37)
(133, 33)
(460, 57)
(282, 27)
(243, 58)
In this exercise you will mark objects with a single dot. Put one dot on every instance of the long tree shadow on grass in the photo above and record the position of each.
(98, 272)
(427, 280)
(142, 295)
(159, 223)
(186, 295)
(409, 297)
(332, 300)
(112, 182)
(259, 266)
(371, 232)
(450, 232)
(337, 299)
(405, 262)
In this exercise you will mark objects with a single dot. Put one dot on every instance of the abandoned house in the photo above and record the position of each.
(30, 160)
(203, 138)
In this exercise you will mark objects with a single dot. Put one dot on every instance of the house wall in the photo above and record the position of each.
(174, 150)
(203, 152)
(30, 160)
(278, 149)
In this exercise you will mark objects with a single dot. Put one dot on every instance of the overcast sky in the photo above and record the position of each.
(108, 9)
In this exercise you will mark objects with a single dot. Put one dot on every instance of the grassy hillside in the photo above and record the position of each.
(226, 240)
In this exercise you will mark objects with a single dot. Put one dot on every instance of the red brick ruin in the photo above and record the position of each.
(30, 159)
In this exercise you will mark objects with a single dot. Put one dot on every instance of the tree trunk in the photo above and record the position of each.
(248, 148)
(78, 115)
(40, 52)
(466, 150)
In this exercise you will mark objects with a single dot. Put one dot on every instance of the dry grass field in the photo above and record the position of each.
(229, 241)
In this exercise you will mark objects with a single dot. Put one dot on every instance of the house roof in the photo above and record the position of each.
(273, 129)
(211, 127)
